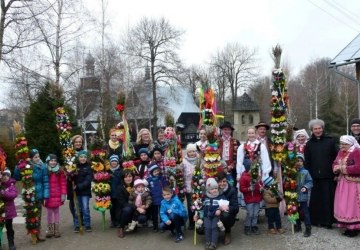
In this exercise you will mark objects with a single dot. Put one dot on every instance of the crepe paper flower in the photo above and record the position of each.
(97, 166)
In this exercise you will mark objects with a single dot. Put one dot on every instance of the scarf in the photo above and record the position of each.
(128, 189)
(54, 169)
(115, 168)
(138, 201)
(113, 145)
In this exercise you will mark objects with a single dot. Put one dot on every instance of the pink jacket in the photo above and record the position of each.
(9, 193)
(57, 187)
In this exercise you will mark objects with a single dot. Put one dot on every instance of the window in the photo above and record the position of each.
(242, 119)
(251, 119)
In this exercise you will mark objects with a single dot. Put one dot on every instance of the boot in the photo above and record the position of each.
(121, 233)
(221, 226)
(132, 226)
(297, 228)
(34, 239)
(39, 239)
(10, 237)
(247, 230)
(307, 232)
(56, 230)
(227, 238)
(50, 230)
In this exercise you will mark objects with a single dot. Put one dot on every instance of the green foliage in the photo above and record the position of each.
(8, 147)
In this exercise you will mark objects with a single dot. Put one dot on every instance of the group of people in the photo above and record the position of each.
(328, 184)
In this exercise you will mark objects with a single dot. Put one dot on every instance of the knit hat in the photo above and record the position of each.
(156, 149)
(51, 157)
(355, 121)
(143, 151)
(82, 152)
(247, 164)
(6, 172)
(268, 181)
(301, 156)
(191, 147)
(114, 158)
(211, 184)
(152, 166)
(138, 182)
(33, 152)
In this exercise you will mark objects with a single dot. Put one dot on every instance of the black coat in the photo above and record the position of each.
(122, 196)
(320, 154)
(232, 196)
(83, 180)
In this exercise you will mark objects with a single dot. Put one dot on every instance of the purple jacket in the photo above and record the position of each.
(8, 194)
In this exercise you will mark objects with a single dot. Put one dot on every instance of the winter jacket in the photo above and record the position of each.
(303, 179)
(145, 199)
(249, 196)
(270, 199)
(117, 151)
(160, 165)
(115, 181)
(122, 196)
(232, 196)
(176, 206)
(57, 187)
(320, 154)
(188, 166)
(8, 194)
(156, 184)
(41, 180)
(210, 205)
(83, 179)
(142, 169)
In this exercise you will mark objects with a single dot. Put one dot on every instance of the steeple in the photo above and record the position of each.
(89, 65)
(148, 81)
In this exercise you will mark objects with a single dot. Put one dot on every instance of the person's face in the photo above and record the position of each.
(144, 157)
(113, 137)
(82, 159)
(301, 139)
(157, 155)
(214, 191)
(53, 163)
(145, 137)
(191, 153)
(78, 143)
(166, 195)
(355, 129)
(317, 130)
(128, 179)
(5, 178)
(161, 137)
(113, 164)
(226, 131)
(261, 131)
(156, 172)
(36, 158)
(202, 135)
(251, 134)
(344, 146)
(222, 183)
(299, 163)
(140, 188)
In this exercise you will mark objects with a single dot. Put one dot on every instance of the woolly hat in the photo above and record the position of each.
(114, 158)
(51, 157)
(82, 152)
(268, 181)
(143, 151)
(33, 152)
(301, 156)
(247, 164)
(191, 147)
(355, 121)
(156, 149)
(6, 172)
(211, 184)
(227, 124)
(138, 182)
(152, 166)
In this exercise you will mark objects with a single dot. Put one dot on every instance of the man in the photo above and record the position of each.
(228, 148)
(355, 128)
(320, 153)
(261, 130)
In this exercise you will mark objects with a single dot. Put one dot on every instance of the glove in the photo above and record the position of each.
(63, 197)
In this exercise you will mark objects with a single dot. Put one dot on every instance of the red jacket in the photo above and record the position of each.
(57, 187)
(249, 196)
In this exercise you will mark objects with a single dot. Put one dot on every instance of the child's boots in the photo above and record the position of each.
(50, 230)
(221, 226)
(56, 230)
(132, 226)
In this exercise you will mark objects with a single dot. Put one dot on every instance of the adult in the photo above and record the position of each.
(144, 140)
(161, 140)
(228, 147)
(124, 209)
(300, 139)
(355, 128)
(41, 183)
(77, 142)
(114, 146)
(261, 131)
(250, 151)
(320, 153)
(203, 142)
(228, 218)
(347, 198)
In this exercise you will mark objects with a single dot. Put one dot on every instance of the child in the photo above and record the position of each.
(140, 198)
(142, 166)
(157, 157)
(8, 193)
(303, 187)
(83, 191)
(212, 213)
(115, 181)
(156, 183)
(252, 198)
(57, 195)
(272, 200)
(172, 213)
(190, 160)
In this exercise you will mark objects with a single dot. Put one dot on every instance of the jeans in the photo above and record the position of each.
(211, 229)
(113, 209)
(273, 216)
(228, 220)
(85, 211)
(155, 215)
(125, 215)
(176, 223)
(305, 209)
(252, 214)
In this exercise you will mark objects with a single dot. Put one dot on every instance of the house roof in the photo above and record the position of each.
(245, 103)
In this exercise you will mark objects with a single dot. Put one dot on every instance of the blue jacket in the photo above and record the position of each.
(40, 177)
(156, 185)
(115, 181)
(211, 205)
(176, 206)
(303, 180)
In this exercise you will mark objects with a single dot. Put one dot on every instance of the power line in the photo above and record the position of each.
(352, 14)
(343, 12)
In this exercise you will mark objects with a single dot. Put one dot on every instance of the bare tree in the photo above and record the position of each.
(155, 42)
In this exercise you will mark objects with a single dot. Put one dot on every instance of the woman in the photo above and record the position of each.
(203, 142)
(77, 142)
(161, 141)
(113, 147)
(347, 167)
(41, 183)
(300, 139)
(125, 210)
(144, 140)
